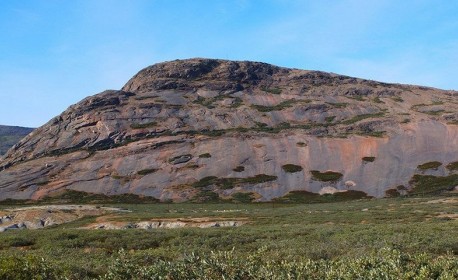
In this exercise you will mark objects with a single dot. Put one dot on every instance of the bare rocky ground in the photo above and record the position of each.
(37, 217)
(204, 129)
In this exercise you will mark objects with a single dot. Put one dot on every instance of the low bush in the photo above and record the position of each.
(452, 166)
(292, 168)
(206, 155)
(429, 165)
(328, 176)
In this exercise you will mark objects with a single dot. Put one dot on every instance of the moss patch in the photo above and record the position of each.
(143, 125)
(206, 155)
(328, 176)
(282, 105)
(147, 171)
(272, 90)
(229, 183)
(429, 165)
(292, 168)
(239, 169)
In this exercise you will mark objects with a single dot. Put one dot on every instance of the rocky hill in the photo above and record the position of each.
(204, 129)
(10, 135)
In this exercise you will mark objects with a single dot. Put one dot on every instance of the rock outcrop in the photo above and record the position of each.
(203, 129)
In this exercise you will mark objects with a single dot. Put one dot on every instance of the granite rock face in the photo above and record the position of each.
(199, 128)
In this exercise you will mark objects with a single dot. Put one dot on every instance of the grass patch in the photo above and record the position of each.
(397, 99)
(378, 100)
(329, 119)
(328, 176)
(243, 197)
(429, 165)
(338, 104)
(282, 105)
(434, 113)
(452, 166)
(143, 125)
(309, 197)
(147, 171)
(274, 90)
(362, 117)
(292, 168)
(237, 102)
(206, 155)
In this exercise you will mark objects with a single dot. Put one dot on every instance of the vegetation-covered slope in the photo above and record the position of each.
(10, 135)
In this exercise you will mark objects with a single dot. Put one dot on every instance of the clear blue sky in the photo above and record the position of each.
(53, 53)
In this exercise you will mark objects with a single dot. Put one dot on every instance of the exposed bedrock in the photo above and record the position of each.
(190, 129)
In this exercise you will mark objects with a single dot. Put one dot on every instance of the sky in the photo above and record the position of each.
(54, 53)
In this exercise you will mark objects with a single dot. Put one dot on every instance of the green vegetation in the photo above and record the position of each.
(328, 176)
(405, 120)
(452, 166)
(356, 97)
(292, 168)
(378, 100)
(10, 135)
(143, 125)
(243, 197)
(397, 99)
(428, 184)
(362, 117)
(206, 155)
(239, 169)
(71, 196)
(329, 119)
(237, 102)
(229, 183)
(368, 159)
(208, 102)
(272, 90)
(309, 197)
(397, 238)
(147, 171)
(373, 133)
(338, 104)
(429, 165)
(434, 113)
(282, 105)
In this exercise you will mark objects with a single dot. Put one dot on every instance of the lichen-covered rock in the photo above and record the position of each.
(251, 118)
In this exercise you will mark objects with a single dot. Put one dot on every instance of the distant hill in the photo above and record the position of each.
(10, 135)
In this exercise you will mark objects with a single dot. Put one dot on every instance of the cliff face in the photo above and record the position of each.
(200, 128)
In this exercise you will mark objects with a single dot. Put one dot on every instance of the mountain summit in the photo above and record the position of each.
(203, 129)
